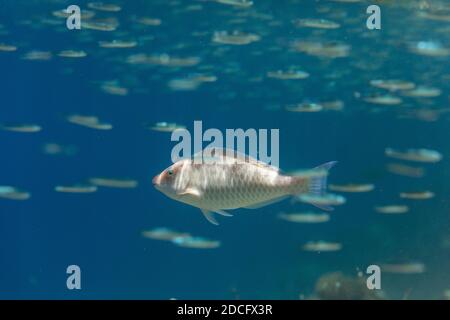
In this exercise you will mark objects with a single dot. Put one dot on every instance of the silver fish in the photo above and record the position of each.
(227, 179)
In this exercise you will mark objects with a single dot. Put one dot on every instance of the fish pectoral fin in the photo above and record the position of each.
(223, 213)
(190, 192)
(265, 203)
(209, 216)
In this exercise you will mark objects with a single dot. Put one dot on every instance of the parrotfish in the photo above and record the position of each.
(229, 180)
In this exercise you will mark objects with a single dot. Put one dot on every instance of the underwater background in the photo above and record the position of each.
(185, 62)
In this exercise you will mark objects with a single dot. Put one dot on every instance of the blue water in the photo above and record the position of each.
(260, 255)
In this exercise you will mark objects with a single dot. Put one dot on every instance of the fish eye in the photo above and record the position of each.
(170, 172)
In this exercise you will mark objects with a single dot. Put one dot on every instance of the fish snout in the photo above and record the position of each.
(156, 180)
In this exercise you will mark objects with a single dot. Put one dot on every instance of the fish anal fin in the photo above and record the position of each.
(223, 213)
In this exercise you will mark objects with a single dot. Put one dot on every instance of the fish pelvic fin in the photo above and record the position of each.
(316, 184)
(209, 216)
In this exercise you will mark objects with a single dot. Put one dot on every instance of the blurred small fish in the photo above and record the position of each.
(308, 217)
(84, 14)
(424, 114)
(336, 105)
(237, 3)
(417, 155)
(113, 182)
(404, 170)
(305, 107)
(22, 128)
(423, 195)
(422, 92)
(163, 60)
(114, 88)
(106, 26)
(183, 84)
(12, 193)
(330, 50)
(202, 77)
(72, 54)
(147, 21)
(89, 122)
(57, 149)
(234, 37)
(101, 6)
(429, 48)
(36, 55)
(78, 188)
(347, 1)
(117, 44)
(404, 268)
(166, 126)
(387, 100)
(288, 75)
(392, 209)
(322, 200)
(7, 48)
(317, 23)
(446, 294)
(352, 187)
(195, 242)
(393, 85)
(322, 246)
(163, 234)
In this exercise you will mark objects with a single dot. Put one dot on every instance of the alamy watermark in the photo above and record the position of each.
(73, 21)
(251, 142)
(374, 20)
(74, 279)
(373, 281)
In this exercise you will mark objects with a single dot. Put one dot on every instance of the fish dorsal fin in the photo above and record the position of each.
(266, 203)
(209, 216)
(190, 192)
(224, 155)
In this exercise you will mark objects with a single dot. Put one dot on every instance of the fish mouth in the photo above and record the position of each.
(156, 181)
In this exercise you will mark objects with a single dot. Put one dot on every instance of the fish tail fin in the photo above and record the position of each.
(316, 184)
